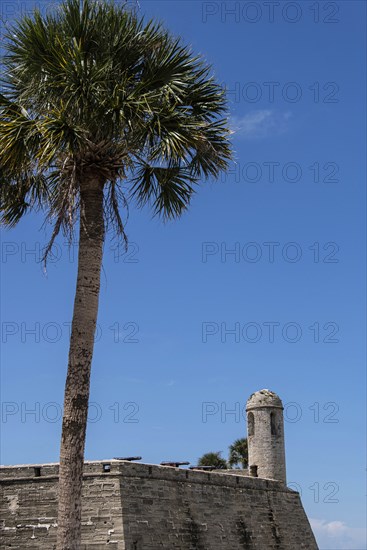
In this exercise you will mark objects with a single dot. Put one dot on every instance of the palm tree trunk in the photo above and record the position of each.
(79, 366)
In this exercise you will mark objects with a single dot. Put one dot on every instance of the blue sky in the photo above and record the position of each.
(259, 285)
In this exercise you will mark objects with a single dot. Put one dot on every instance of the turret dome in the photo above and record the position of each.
(264, 398)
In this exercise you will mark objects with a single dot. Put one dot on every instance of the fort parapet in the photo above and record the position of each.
(134, 506)
(130, 506)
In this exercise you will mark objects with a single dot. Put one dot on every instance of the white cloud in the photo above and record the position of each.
(261, 124)
(337, 535)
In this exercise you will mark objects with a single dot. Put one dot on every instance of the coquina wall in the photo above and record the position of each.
(144, 507)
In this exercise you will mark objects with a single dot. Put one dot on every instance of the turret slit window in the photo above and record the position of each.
(251, 424)
(273, 427)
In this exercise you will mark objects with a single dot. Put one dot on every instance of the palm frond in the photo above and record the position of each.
(167, 189)
(24, 192)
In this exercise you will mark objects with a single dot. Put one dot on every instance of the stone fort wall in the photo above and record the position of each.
(147, 507)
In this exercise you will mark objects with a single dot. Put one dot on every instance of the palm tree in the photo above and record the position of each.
(100, 108)
(213, 459)
(238, 453)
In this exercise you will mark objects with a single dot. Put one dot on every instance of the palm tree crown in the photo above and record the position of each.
(94, 89)
(213, 459)
(238, 453)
